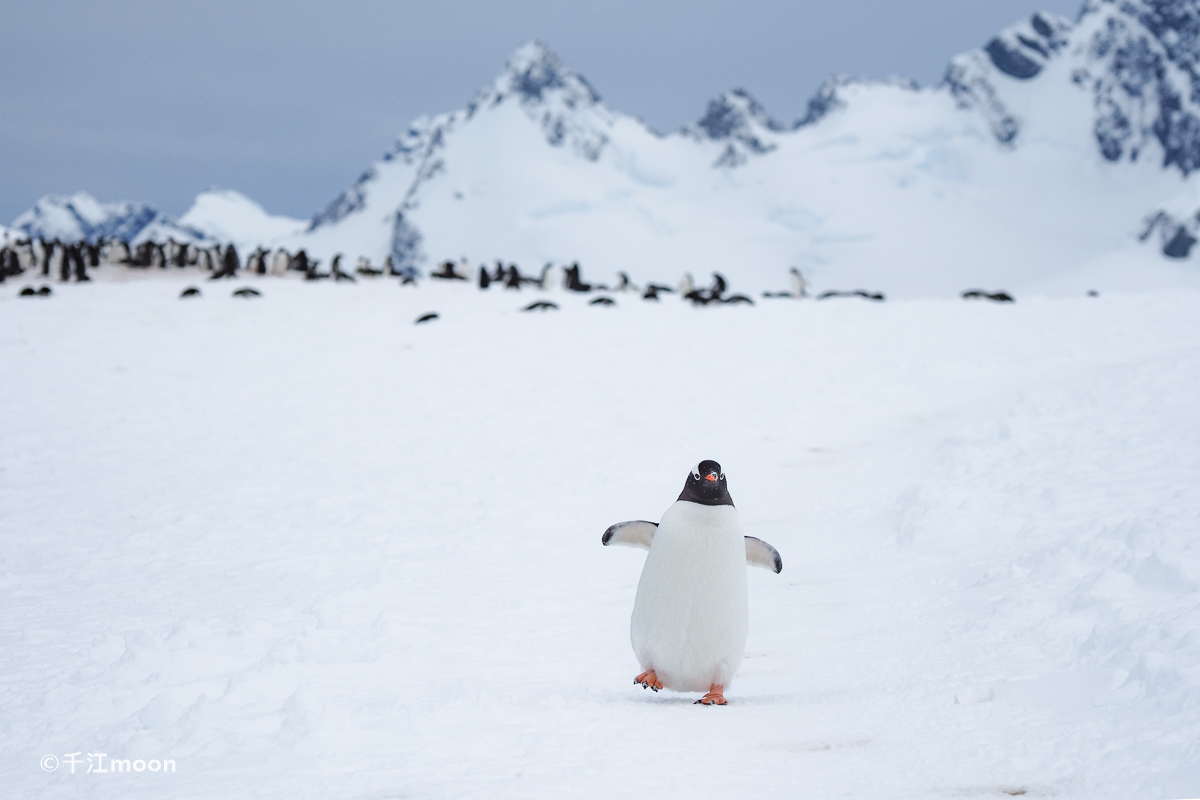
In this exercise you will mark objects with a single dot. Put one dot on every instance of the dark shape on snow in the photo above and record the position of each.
(446, 273)
(702, 297)
(485, 280)
(512, 277)
(602, 301)
(190, 291)
(338, 273)
(1093, 293)
(738, 298)
(229, 264)
(299, 262)
(1011, 62)
(10, 264)
(77, 260)
(652, 290)
(28, 291)
(574, 281)
(877, 296)
(1180, 245)
(247, 291)
(540, 305)
(978, 294)
(44, 291)
(432, 315)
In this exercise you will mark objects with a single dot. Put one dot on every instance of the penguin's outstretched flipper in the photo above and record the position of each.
(760, 554)
(638, 533)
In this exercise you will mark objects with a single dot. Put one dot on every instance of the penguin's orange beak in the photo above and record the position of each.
(712, 476)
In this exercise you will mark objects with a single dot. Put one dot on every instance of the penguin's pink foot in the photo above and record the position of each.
(715, 697)
(648, 680)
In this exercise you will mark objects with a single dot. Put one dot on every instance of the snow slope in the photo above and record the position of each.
(303, 547)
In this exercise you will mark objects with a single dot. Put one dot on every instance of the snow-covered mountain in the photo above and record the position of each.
(216, 215)
(1044, 161)
(227, 216)
(81, 216)
(1034, 164)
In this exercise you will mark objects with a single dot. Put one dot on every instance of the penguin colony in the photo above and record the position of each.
(691, 613)
(70, 261)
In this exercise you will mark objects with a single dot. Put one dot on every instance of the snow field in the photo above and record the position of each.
(307, 548)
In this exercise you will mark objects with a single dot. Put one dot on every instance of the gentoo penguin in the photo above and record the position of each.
(690, 615)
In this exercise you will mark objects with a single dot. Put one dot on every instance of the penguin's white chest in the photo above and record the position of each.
(691, 616)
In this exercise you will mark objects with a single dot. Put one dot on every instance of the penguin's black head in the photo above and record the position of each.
(706, 485)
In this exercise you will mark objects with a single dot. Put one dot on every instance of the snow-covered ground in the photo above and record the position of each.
(306, 548)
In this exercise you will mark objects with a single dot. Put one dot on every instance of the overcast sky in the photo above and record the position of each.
(289, 101)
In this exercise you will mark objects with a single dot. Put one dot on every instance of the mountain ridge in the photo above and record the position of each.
(536, 167)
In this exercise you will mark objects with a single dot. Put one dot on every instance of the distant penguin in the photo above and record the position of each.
(47, 252)
(485, 280)
(547, 277)
(190, 291)
(247, 291)
(363, 267)
(338, 273)
(229, 264)
(691, 615)
(432, 315)
(799, 285)
(541, 305)
(686, 284)
(976, 294)
(280, 262)
(863, 293)
(575, 281)
(718, 287)
(77, 259)
(65, 260)
(299, 262)
(602, 301)
(512, 277)
(446, 273)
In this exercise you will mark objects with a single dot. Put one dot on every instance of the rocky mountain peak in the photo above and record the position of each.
(740, 121)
